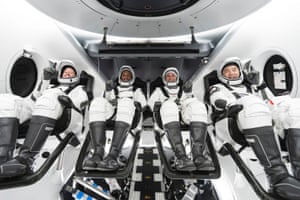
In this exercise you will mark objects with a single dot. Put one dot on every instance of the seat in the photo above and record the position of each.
(236, 137)
(167, 154)
(128, 151)
(69, 138)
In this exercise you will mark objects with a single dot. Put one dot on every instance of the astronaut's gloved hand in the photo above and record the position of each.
(221, 104)
(233, 110)
(48, 73)
(187, 86)
(65, 101)
(110, 85)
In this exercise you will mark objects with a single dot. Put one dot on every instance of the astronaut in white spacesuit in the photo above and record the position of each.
(286, 117)
(120, 101)
(255, 122)
(46, 111)
(177, 102)
(14, 110)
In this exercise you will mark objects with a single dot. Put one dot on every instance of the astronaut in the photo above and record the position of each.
(178, 101)
(255, 121)
(119, 104)
(14, 110)
(286, 117)
(46, 111)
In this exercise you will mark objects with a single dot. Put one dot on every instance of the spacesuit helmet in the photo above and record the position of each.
(67, 72)
(230, 71)
(126, 76)
(170, 77)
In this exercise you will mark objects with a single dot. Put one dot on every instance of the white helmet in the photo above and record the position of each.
(175, 71)
(235, 61)
(126, 83)
(61, 66)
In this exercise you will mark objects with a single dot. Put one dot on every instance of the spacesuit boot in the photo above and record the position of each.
(39, 129)
(183, 163)
(98, 138)
(198, 134)
(110, 162)
(8, 137)
(263, 143)
(293, 145)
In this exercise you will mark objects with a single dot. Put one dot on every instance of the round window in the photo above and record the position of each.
(23, 76)
(278, 75)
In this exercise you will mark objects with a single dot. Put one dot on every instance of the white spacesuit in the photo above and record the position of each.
(255, 121)
(14, 110)
(47, 109)
(286, 117)
(121, 98)
(178, 101)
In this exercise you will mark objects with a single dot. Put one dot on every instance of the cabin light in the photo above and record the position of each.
(204, 60)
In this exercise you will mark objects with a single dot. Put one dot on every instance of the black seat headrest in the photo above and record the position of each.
(209, 80)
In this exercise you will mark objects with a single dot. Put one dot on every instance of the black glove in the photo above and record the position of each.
(253, 77)
(110, 85)
(262, 86)
(187, 87)
(65, 101)
(233, 110)
(48, 73)
(221, 103)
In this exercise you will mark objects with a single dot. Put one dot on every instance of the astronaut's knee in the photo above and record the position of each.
(11, 105)
(169, 112)
(196, 112)
(254, 115)
(125, 110)
(100, 110)
(48, 106)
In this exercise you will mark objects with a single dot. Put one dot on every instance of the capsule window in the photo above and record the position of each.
(278, 75)
(23, 76)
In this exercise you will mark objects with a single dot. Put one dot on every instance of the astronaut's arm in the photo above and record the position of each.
(218, 98)
(109, 93)
(140, 98)
(48, 74)
(187, 92)
(154, 98)
(79, 98)
(263, 92)
(44, 84)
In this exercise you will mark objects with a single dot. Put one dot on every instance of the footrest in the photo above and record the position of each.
(171, 173)
(121, 173)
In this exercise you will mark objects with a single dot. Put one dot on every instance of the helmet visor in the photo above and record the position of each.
(171, 77)
(231, 72)
(126, 76)
(68, 72)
